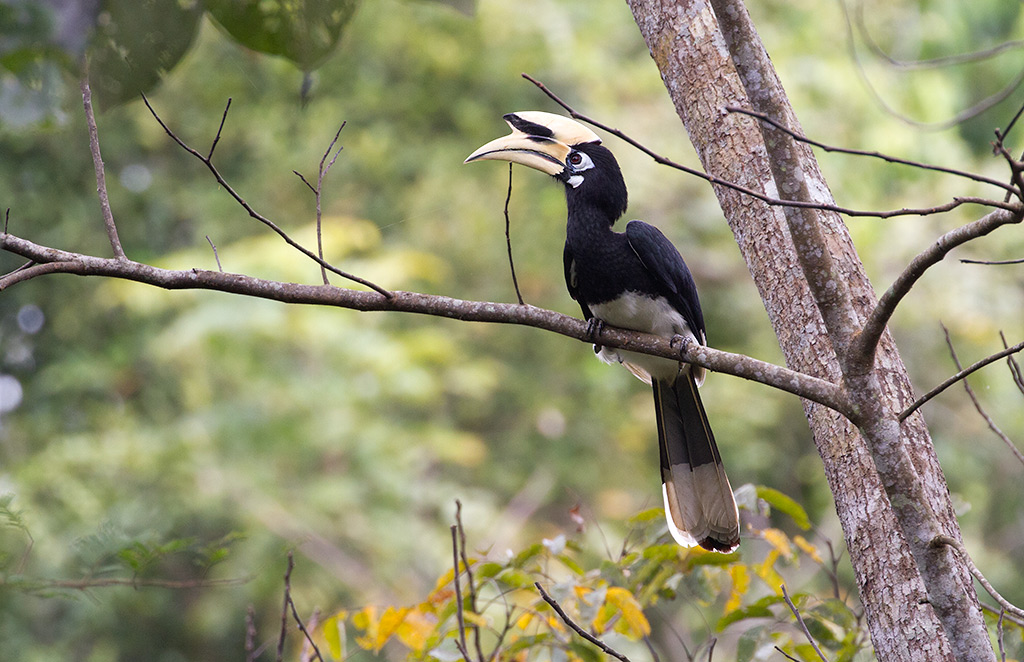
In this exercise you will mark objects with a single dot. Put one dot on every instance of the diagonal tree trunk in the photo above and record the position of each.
(817, 297)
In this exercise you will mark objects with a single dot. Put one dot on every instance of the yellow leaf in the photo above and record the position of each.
(766, 571)
(415, 630)
(472, 618)
(524, 621)
(334, 632)
(807, 548)
(580, 591)
(740, 584)
(636, 623)
(365, 618)
(389, 622)
(779, 541)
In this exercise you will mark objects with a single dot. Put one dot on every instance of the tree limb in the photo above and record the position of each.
(97, 162)
(52, 260)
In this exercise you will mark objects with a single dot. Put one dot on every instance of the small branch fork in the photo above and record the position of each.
(289, 604)
(317, 190)
(207, 160)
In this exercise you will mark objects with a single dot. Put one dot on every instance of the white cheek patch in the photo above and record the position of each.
(575, 180)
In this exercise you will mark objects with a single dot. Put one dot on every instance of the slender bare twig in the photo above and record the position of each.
(471, 583)
(872, 154)
(605, 648)
(787, 655)
(1019, 260)
(1015, 371)
(215, 256)
(53, 260)
(803, 625)
(508, 238)
(867, 340)
(253, 213)
(977, 404)
(461, 643)
(322, 171)
(757, 195)
(284, 607)
(250, 634)
(97, 162)
(958, 546)
(711, 647)
(304, 630)
(1007, 352)
(999, 635)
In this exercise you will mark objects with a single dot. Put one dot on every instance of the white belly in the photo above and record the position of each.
(652, 315)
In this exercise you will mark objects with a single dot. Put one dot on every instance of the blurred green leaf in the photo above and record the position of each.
(785, 504)
(303, 31)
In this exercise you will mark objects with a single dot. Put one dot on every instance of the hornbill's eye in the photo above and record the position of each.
(578, 161)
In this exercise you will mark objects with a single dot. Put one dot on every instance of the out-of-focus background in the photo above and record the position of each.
(185, 435)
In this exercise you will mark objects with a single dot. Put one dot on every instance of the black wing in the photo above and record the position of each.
(570, 281)
(666, 266)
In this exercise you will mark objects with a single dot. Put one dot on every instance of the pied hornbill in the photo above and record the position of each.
(633, 280)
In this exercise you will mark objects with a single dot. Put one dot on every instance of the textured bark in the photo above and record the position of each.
(695, 62)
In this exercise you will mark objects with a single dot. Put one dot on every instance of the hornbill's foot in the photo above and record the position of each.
(595, 327)
(683, 342)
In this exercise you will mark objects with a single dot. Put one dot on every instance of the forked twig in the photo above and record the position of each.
(289, 604)
(1007, 352)
(461, 642)
(322, 171)
(248, 208)
(977, 404)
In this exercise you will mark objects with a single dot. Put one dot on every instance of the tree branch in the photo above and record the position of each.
(800, 622)
(867, 340)
(52, 260)
(958, 546)
(757, 195)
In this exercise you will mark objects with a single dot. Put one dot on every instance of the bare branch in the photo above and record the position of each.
(958, 546)
(757, 195)
(458, 596)
(256, 215)
(867, 340)
(1019, 260)
(800, 621)
(284, 607)
(97, 162)
(471, 583)
(576, 628)
(250, 634)
(977, 405)
(872, 154)
(53, 260)
(215, 256)
(1015, 371)
(958, 376)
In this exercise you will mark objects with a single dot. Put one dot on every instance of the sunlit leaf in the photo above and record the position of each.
(635, 623)
(334, 633)
(807, 548)
(785, 504)
(740, 584)
(779, 540)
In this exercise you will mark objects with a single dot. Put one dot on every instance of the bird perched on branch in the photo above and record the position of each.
(633, 280)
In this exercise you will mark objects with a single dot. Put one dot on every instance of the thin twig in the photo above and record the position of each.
(256, 215)
(1015, 371)
(871, 154)
(304, 631)
(97, 162)
(711, 647)
(469, 578)
(977, 404)
(966, 558)
(576, 628)
(461, 643)
(1019, 260)
(999, 635)
(508, 238)
(250, 634)
(787, 655)
(215, 256)
(284, 607)
(800, 621)
(958, 376)
(799, 204)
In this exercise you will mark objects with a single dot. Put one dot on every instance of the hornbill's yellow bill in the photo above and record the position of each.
(633, 280)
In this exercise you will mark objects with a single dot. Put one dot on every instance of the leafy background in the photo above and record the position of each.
(149, 437)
